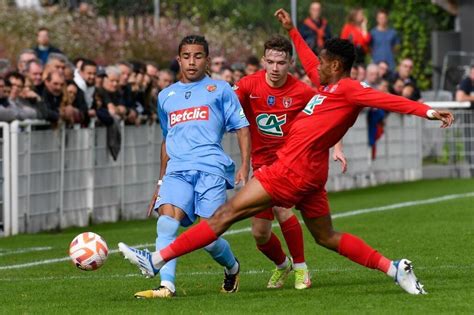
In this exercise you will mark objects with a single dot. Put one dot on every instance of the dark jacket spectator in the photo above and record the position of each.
(404, 73)
(43, 48)
(51, 97)
(465, 90)
(315, 28)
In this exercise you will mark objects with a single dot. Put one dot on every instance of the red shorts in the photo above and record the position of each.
(266, 215)
(287, 189)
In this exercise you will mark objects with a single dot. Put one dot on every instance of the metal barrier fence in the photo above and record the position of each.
(53, 179)
(450, 152)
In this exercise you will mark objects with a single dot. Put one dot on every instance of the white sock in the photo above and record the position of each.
(156, 259)
(233, 270)
(392, 271)
(169, 285)
(300, 265)
(284, 264)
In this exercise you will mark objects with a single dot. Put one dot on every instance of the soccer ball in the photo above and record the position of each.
(88, 251)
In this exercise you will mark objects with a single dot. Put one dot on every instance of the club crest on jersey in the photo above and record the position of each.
(287, 101)
(211, 88)
(187, 95)
(189, 114)
(316, 100)
(270, 124)
(271, 100)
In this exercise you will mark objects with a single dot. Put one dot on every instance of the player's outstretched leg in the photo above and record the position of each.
(220, 251)
(167, 229)
(358, 251)
(293, 234)
(269, 244)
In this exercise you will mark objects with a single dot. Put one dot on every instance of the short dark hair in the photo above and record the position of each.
(14, 75)
(194, 40)
(43, 28)
(252, 60)
(342, 49)
(87, 62)
(279, 43)
(382, 10)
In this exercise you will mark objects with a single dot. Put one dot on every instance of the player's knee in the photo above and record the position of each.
(327, 239)
(282, 214)
(260, 234)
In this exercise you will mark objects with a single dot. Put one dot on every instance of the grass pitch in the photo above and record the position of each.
(437, 237)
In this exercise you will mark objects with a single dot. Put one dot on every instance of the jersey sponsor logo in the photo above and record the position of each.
(316, 100)
(287, 101)
(364, 85)
(211, 88)
(189, 114)
(271, 100)
(271, 124)
(187, 94)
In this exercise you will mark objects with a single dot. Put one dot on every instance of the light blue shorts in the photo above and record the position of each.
(197, 193)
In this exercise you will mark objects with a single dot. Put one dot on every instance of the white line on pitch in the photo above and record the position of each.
(214, 273)
(5, 252)
(239, 231)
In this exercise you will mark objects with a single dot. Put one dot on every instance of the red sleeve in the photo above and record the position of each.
(363, 95)
(242, 89)
(308, 58)
(346, 31)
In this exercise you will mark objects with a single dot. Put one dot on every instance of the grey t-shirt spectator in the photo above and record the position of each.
(382, 44)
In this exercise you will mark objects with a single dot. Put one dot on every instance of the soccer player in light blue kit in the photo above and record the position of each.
(195, 171)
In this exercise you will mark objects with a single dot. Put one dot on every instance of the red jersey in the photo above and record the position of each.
(270, 112)
(355, 35)
(328, 116)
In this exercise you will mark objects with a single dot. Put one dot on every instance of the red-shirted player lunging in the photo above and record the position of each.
(271, 99)
(299, 175)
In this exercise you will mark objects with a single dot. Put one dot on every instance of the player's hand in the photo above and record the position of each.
(338, 155)
(151, 205)
(242, 175)
(445, 117)
(284, 18)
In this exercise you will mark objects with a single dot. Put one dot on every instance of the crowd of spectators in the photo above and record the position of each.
(46, 85)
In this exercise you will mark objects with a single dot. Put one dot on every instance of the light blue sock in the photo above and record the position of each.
(167, 229)
(221, 252)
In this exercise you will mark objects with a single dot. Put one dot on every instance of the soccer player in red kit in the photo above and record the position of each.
(299, 175)
(271, 99)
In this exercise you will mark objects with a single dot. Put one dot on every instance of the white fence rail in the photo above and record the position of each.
(53, 179)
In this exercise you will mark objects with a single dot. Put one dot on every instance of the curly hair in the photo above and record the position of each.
(341, 49)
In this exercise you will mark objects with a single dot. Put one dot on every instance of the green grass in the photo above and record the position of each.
(437, 237)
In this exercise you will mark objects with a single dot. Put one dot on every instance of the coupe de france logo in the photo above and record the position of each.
(316, 100)
(271, 100)
(271, 124)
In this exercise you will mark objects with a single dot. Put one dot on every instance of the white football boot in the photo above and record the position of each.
(406, 279)
(141, 259)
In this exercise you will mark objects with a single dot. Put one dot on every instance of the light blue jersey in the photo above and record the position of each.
(194, 117)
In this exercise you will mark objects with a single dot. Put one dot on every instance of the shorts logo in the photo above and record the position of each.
(187, 94)
(211, 87)
(287, 101)
(271, 100)
(189, 114)
(271, 124)
(316, 100)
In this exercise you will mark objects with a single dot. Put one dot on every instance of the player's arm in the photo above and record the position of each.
(363, 96)
(243, 136)
(338, 155)
(308, 59)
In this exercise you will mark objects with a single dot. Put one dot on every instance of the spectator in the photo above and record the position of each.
(354, 72)
(126, 94)
(404, 73)
(56, 62)
(6, 113)
(384, 70)
(315, 29)
(227, 75)
(99, 78)
(34, 72)
(372, 75)
(110, 96)
(69, 71)
(238, 72)
(22, 110)
(397, 87)
(217, 64)
(3, 95)
(465, 90)
(152, 71)
(384, 40)
(408, 91)
(355, 30)
(24, 57)
(165, 79)
(84, 78)
(384, 86)
(251, 65)
(43, 48)
(360, 73)
(29, 94)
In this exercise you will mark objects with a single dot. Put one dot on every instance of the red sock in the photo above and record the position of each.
(194, 238)
(272, 249)
(358, 251)
(293, 234)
